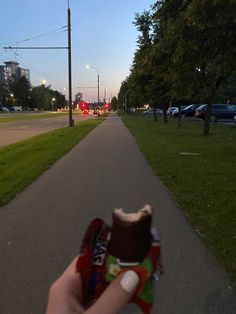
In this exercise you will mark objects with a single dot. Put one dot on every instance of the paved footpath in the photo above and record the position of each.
(42, 228)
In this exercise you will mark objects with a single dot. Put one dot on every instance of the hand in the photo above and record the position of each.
(66, 297)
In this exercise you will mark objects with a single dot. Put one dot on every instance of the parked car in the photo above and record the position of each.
(219, 111)
(150, 112)
(235, 119)
(4, 109)
(170, 111)
(11, 109)
(175, 112)
(190, 110)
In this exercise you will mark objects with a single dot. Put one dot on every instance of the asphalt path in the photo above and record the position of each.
(12, 132)
(42, 228)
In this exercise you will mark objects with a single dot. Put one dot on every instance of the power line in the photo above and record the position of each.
(34, 37)
(30, 68)
(25, 47)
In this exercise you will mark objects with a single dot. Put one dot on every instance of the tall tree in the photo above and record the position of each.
(3, 93)
(41, 97)
(21, 90)
(114, 103)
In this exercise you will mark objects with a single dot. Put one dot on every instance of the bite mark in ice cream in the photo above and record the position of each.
(130, 234)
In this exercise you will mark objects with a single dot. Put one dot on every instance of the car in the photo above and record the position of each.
(219, 111)
(190, 110)
(4, 109)
(235, 119)
(150, 112)
(175, 112)
(170, 110)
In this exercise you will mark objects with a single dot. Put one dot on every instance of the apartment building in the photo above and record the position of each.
(10, 70)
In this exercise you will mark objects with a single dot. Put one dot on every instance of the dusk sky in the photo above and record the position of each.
(103, 35)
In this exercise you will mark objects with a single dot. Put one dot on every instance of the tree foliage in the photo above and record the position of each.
(3, 93)
(21, 91)
(114, 103)
(186, 52)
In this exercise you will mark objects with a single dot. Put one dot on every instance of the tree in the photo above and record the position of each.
(186, 53)
(3, 93)
(41, 97)
(114, 103)
(215, 33)
(21, 90)
(204, 53)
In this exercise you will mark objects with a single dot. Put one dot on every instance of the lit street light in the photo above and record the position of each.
(43, 82)
(12, 97)
(93, 67)
(53, 99)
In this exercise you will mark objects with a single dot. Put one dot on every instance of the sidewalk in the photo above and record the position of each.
(41, 230)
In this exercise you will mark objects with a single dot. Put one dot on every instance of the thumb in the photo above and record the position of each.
(117, 294)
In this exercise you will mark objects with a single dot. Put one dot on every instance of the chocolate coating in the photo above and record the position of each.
(130, 241)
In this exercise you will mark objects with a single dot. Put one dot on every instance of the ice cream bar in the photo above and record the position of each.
(130, 235)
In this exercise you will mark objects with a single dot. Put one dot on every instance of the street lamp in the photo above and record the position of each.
(12, 97)
(93, 67)
(53, 99)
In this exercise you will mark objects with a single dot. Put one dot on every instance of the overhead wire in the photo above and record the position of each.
(30, 68)
(34, 37)
(15, 51)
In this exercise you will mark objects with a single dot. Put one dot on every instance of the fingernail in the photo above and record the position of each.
(129, 281)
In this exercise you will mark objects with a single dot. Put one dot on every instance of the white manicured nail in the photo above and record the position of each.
(129, 281)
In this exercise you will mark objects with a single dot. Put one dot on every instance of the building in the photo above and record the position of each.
(2, 74)
(11, 70)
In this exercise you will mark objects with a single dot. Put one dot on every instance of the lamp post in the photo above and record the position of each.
(53, 99)
(93, 67)
(12, 97)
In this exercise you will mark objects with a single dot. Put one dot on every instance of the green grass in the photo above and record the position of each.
(23, 162)
(29, 116)
(204, 185)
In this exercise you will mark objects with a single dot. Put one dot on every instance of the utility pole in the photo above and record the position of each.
(98, 90)
(71, 121)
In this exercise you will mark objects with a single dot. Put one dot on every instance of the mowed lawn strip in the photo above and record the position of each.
(203, 185)
(29, 116)
(23, 162)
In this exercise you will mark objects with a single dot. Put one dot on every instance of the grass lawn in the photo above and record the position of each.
(203, 185)
(23, 162)
(30, 116)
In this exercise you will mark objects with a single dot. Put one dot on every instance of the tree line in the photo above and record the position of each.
(19, 92)
(186, 53)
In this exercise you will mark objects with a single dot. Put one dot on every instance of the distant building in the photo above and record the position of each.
(11, 70)
(2, 74)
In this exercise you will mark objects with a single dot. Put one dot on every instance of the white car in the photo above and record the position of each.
(170, 110)
(235, 119)
(5, 109)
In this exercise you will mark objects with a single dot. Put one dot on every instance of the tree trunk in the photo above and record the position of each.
(155, 113)
(206, 126)
(179, 118)
(165, 115)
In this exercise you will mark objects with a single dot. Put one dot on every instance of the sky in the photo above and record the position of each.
(103, 36)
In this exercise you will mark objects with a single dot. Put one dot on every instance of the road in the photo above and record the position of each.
(12, 132)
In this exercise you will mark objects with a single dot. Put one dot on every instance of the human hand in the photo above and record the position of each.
(66, 295)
